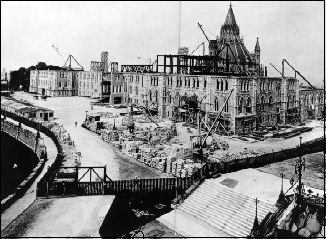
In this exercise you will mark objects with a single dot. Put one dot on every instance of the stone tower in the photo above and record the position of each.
(257, 51)
(104, 61)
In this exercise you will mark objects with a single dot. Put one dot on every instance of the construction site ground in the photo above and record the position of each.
(95, 152)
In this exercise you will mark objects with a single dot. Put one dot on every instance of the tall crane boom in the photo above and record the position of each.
(57, 50)
(275, 68)
(296, 72)
(201, 44)
(201, 28)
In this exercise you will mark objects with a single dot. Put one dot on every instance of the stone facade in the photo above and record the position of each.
(53, 82)
(312, 103)
(255, 101)
(90, 83)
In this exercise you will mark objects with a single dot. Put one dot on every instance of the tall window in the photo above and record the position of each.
(205, 83)
(248, 105)
(217, 84)
(216, 104)
(226, 85)
(226, 107)
(156, 96)
(222, 85)
(241, 102)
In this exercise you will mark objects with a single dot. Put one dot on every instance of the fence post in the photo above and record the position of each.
(47, 189)
(76, 181)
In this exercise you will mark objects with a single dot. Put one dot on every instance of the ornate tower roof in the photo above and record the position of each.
(257, 47)
(230, 27)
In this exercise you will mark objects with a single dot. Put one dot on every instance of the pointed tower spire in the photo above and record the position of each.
(230, 18)
(230, 27)
(257, 47)
(255, 227)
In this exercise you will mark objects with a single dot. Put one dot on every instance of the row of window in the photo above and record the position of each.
(154, 81)
(117, 89)
(222, 84)
(89, 75)
(269, 85)
(245, 85)
(291, 85)
(311, 99)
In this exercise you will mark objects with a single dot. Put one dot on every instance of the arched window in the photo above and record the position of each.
(248, 82)
(222, 85)
(193, 82)
(226, 85)
(262, 103)
(216, 104)
(197, 83)
(136, 90)
(180, 82)
(156, 96)
(170, 99)
(270, 100)
(130, 89)
(242, 85)
(312, 99)
(178, 100)
(226, 107)
(205, 83)
(150, 95)
(241, 105)
(248, 110)
(293, 101)
(217, 84)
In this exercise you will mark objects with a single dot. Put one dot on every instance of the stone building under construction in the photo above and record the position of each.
(229, 82)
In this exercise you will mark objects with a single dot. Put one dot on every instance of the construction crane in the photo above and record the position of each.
(201, 28)
(296, 72)
(71, 57)
(201, 44)
(57, 50)
(216, 119)
(276, 68)
(67, 63)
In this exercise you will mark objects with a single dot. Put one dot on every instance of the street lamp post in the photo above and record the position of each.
(299, 167)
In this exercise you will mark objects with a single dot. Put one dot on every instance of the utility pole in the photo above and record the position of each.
(179, 33)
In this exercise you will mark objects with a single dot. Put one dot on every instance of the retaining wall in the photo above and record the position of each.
(30, 140)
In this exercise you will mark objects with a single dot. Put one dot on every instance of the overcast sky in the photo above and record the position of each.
(129, 30)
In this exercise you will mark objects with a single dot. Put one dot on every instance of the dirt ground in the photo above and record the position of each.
(313, 175)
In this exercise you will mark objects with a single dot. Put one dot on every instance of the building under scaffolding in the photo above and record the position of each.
(182, 87)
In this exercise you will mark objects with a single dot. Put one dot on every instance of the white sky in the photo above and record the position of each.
(128, 30)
